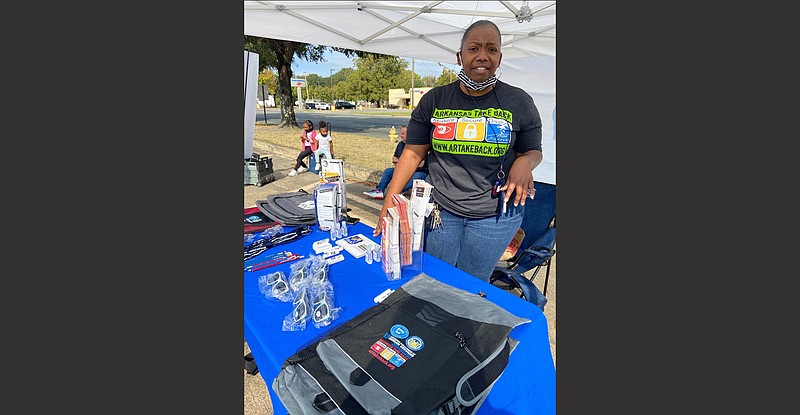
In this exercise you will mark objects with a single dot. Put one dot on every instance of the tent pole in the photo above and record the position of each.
(412, 83)
(264, 95)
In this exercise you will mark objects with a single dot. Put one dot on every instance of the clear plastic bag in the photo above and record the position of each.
(296, 320)
(312, 295)
(322, 310)
(275, 286)
(272, 231)
(318, 270)
(300, 275)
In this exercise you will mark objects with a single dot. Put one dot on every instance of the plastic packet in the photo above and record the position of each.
(318, 270)
(296, 320)
(275, 285)
(299, 276)
(272, 231)
(321, 297)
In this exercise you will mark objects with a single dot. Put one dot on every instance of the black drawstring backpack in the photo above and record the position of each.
(428, 348)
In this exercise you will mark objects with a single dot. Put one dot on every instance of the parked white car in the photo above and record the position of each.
(323, 106)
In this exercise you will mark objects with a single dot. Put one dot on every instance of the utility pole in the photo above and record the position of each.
(412, 83)
(331, 86)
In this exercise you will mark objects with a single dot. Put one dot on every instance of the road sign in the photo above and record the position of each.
(300, 83)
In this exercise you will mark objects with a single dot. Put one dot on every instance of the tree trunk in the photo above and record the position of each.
(284, 51)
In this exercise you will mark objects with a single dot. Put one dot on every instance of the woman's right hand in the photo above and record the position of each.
(407, 164)
(379, 226)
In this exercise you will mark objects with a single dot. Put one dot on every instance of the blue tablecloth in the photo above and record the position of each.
(526, 387)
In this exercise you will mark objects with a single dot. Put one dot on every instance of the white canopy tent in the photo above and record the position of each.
(250, 88)
(429, 31)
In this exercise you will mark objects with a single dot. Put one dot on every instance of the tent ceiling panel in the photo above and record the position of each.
(415, 29)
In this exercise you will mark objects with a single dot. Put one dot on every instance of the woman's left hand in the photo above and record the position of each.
(520, 178)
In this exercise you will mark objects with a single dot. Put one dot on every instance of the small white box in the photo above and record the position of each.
(356, 245)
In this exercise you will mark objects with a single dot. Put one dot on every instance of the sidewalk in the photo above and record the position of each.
(358, 180)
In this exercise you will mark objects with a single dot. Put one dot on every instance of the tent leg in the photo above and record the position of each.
(547, 274)
(250, 364)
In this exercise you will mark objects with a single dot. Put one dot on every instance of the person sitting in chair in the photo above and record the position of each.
(308, 143)
(421, 172)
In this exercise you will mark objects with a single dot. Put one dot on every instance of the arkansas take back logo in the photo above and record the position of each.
(392, 351)
(480, 133)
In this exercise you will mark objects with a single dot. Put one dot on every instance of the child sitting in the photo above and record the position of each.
(324, 145)
(308, 142)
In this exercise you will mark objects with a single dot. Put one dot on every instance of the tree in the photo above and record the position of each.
(447, 77)
(375, 75)
(428, 80)
(267, 77)
(313, 86)
(279, 54)
(405, 80)
(341, 91)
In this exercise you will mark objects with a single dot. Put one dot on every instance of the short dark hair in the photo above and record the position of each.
(479, 23)
(309, 122)
(322, 124)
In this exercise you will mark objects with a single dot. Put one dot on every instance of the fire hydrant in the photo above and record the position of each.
(393, 134)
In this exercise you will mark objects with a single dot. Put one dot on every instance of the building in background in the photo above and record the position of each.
(400, 98)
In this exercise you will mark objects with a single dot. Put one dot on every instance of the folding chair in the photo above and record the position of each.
(539, 253)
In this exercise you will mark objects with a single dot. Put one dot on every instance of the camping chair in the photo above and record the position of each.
(539, 253)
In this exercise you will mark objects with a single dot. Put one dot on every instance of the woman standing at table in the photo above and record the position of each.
(485, 138)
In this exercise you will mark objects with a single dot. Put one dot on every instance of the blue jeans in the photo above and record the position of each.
(387, 177)
(474, 245)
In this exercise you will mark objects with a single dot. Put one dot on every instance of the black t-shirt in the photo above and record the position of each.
(470, 137)
(399, 150)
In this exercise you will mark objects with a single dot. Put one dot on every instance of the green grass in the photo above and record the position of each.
(365, 151)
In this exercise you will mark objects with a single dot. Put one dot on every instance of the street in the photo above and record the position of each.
(364, 122)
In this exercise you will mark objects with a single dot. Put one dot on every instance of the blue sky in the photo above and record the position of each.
(338, 61)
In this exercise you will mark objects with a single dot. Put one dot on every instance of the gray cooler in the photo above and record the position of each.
(258, 170)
